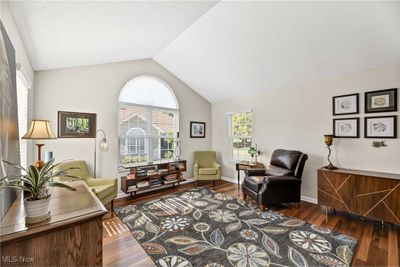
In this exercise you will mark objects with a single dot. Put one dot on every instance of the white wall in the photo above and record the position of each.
(11, 27)
(298, 116)
(96, 89)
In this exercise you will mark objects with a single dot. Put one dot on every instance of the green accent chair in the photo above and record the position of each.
(206, 167)
(105, 189)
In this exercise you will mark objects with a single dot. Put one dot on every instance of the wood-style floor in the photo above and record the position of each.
(378, 245)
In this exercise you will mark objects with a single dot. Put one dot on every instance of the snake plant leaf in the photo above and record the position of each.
(15, 165)
(65, 173)
(47, 166)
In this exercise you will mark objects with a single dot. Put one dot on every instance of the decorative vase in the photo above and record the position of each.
(37, 210)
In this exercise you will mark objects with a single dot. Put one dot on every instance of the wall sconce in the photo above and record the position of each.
(104, 146)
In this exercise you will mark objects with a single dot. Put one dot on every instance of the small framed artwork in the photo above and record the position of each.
(345, 104)
(381, 101)
(380, 127)
(197, 129)
(346, 128)
(76, 125)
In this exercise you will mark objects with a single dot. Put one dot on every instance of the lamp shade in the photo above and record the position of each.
(39, 129)
(104, 145)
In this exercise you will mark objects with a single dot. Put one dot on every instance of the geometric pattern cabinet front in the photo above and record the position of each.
(370, 194)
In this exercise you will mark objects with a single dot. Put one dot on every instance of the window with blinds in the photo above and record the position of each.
(240, 134)
(22, 99)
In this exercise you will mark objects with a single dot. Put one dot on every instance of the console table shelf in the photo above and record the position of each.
(162, 170)
(373, 195)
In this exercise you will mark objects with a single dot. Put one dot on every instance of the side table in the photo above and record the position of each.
(245, 165)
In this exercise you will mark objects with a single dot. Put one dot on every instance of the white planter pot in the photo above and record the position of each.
(37, 208)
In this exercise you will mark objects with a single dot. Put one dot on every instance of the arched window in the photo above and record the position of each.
(148, 121)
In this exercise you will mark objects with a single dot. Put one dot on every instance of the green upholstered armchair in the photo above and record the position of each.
(206, 167)
(105, 189)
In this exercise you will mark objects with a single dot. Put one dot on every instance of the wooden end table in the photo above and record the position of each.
(245, 165)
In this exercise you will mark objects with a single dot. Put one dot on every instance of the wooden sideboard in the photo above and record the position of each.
(71, 237)
(374, 195)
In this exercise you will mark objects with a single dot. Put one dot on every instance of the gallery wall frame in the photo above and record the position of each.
(346, 128)
(380, 127)
(381, 101)
(345, 104)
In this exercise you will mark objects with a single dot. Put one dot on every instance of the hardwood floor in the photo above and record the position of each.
(378, 245)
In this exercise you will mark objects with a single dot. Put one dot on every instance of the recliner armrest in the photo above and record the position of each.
(281, 180)
(255, 172)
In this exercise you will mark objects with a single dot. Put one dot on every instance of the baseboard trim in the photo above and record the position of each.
(122, 194)
(309, 199)
(229, 180)
(302, 197)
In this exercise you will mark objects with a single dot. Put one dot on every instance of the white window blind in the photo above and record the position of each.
(22, 99)
(240, 134)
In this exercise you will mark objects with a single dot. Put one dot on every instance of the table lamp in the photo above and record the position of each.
(328, 142)
(39, 130)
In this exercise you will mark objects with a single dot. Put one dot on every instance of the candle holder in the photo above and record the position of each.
(328, 142)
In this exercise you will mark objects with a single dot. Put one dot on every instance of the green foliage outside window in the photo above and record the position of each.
(242, 131)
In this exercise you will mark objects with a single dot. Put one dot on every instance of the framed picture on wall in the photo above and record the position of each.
(345, 104)
(381, 101)
(197, 129)
(346, 128)
(380, 127)
(76, 125)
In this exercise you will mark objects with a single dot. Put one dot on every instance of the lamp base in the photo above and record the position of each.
(39, 164)
(330, 167)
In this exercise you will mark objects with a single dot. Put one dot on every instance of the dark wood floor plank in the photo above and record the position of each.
(393, 247)
(377, 246)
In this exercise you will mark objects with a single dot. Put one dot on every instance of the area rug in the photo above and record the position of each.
(200, 227)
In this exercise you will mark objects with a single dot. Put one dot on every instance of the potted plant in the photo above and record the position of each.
(36, 183)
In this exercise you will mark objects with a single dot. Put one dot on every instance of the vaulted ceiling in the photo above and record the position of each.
(59, 34)
(240, 48)
(220, 49)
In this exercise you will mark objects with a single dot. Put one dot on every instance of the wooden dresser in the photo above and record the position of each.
(71, 237)
(374, 195)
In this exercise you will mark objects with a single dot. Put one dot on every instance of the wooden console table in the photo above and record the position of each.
(164, 170)
(71, 237)
(245, 165)
(374, 195)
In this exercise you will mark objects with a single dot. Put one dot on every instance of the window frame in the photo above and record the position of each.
(148, 138)
(231, 136)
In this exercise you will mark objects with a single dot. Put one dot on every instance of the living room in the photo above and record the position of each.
(200, 133)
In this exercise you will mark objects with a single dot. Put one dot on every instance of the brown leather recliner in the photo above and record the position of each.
(279, 183)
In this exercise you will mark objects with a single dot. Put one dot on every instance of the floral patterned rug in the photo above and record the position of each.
(200, 227)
